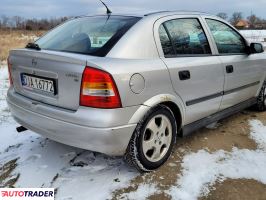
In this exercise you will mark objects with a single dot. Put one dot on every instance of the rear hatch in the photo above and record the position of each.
(50, 70)
(48, 77)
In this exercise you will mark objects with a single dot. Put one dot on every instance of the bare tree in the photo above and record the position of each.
(5, 20)
(222, 15)
(18, 22)
(253, 20)
(236, 17)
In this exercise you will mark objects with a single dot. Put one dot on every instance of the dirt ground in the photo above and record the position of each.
(238, 190)
(11, 39)
(231, 132)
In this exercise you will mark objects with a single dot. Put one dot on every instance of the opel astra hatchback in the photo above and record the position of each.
(129, 85)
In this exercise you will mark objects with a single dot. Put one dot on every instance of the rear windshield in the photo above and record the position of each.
(88, 35)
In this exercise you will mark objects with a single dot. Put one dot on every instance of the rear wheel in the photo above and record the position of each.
(153, 140)
(261, 99)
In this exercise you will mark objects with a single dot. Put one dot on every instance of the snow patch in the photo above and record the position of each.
(202, 169)
(258, 133)
(255, 36)
(76, 173)
(214, 125)
(3, 73)
(28, 37)
(97, 177)
(142, 193)
(4, 84)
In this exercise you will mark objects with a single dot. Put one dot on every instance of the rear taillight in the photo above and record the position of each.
(98, 90)
(9, 72)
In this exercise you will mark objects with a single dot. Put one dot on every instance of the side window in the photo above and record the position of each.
(187, 36)
(228, 41)
(166, 42)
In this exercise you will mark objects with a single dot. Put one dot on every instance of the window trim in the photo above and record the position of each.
(170, 38)
(228, 25)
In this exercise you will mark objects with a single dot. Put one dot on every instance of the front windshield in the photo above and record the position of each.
(87, 35)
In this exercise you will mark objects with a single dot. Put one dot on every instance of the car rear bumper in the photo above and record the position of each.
(107, 140)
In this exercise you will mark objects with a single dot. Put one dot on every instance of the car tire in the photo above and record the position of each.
(261, 99)
(152, 141)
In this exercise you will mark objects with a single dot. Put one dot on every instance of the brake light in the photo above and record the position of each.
(98, 90)
(9, 71)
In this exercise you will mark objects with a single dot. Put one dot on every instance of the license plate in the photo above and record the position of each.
(33, 82)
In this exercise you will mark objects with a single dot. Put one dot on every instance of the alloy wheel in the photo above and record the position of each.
(157, 138)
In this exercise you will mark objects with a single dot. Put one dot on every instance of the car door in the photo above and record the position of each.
(197, 76)
(243, 71)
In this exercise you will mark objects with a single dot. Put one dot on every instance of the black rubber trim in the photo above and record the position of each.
(213, 96)
(241, 88)
(206, 98)
(170, 38)
(190, 128)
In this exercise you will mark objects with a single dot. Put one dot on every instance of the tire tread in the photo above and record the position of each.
(132, 155)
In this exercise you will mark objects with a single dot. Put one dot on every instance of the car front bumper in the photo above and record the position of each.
(108, 140)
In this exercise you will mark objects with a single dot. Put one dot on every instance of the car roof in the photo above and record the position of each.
(156, 13)
(180, 12)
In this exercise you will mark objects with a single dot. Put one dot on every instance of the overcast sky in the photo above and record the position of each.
(56, 8)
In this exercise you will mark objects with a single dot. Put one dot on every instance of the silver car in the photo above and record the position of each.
(130, 85)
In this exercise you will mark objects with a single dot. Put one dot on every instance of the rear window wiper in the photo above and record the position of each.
(33, 46)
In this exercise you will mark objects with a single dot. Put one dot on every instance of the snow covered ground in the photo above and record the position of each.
(255, 36)
(77, 174)
(4, 112)
(220, 165)
(201, 170)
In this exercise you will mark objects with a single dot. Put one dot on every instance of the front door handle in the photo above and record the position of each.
(184, 75)
(229, 69)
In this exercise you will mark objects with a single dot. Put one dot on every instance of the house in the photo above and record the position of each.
(242, 24)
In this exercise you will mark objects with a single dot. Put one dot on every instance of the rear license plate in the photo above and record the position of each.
(33, 82)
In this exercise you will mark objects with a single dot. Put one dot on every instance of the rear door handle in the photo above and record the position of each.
(184, 75)
(229, 69)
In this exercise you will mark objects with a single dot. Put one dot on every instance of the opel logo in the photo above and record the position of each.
(34, 62)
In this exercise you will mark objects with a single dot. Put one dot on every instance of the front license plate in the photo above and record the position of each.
(38, 83)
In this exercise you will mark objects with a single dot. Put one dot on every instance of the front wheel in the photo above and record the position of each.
(153, 139)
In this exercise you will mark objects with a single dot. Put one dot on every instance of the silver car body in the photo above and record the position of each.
(144, 77)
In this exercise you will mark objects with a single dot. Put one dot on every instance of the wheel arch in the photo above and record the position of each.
(174, 103)
(134, 154)
(176, 111)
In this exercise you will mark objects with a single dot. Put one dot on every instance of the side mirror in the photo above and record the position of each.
(256, 48)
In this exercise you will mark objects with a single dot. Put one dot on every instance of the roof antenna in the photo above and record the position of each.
(108, 11)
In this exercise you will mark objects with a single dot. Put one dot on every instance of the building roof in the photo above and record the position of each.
(242, 23)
